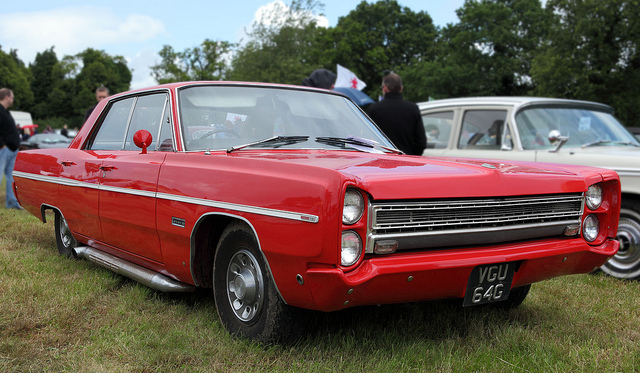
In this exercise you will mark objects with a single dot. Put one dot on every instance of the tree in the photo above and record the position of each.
(43, 82)
(489, 52)
(15, 76)
(98, 68)
(207, 62)
(377, 38)
(592, 54)
(281, 45)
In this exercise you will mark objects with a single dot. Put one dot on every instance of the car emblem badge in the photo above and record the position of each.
(178, 222)
(487, 165)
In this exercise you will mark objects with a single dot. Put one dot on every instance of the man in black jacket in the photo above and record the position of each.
(400, 120)
(102, 92)
(9, 143)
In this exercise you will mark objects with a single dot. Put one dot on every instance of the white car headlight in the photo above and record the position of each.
(353, 207)
(594, 197)
(351, 248)
(591, 228)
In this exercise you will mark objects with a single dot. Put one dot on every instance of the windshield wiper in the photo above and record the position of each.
(357, 143)
(594, 143)
(275, 141)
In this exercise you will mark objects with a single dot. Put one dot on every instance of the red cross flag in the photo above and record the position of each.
(348, 79)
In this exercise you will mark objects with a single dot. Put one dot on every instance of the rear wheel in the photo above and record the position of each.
(245, 295)
(64, 239)
(626, 263)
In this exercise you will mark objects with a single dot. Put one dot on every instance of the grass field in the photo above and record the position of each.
(63, 315)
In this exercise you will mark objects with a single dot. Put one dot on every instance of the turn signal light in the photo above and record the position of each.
(385, 247)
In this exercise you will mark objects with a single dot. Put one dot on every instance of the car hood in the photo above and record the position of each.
(408, 177)
(612, 157)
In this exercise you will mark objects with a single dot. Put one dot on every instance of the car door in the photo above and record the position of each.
(128, 178)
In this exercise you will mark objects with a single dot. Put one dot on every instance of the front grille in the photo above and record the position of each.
(518, 217)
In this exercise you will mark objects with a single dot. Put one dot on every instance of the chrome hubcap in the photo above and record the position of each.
(65, 233)
(245, 285)
(626, 263)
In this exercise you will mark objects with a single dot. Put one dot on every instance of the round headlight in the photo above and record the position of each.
(351, 248)
(594, 196)
(591, 228)
(353, 207)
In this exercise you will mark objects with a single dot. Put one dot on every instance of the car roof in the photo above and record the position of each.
(511, 101)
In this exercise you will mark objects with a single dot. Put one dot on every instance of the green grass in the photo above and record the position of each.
(63, 315)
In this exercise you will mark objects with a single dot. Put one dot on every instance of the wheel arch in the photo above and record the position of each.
(205, 237)
(43, 211)
(628, 196)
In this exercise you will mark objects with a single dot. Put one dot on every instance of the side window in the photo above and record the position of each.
(110, 135)
(485, 129)
(147, 115)
(438, 127)
(165, 143)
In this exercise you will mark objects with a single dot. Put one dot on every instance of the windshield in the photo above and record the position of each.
(582, 126)
(225, 117)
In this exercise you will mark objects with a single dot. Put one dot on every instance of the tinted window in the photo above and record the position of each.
(110, 135)
(218, 117)
(581, 125)
(147, 115)
(485, 129)
(437, 126)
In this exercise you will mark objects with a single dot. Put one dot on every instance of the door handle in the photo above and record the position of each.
(108, 168)
(67, 163)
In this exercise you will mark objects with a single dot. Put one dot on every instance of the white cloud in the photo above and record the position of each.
(72, 30)
(141, 64)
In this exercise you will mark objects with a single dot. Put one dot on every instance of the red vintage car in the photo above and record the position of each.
(284, 198)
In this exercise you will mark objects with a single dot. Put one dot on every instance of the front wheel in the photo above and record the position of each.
(516, 297)
(626, 263)
(64, 239)
(245, 295)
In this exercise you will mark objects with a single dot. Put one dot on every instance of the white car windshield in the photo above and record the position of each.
(217, 117)
(582, 126)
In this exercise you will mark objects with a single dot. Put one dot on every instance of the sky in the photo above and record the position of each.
(138, 29)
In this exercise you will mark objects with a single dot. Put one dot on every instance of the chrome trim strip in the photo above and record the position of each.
(308, 218)
(241, 208)
(135, 192)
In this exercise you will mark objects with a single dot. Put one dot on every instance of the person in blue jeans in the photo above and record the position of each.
(9, 143)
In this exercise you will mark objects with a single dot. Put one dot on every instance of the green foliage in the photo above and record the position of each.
(281, 45)
(592, 54)
(377, 38)
(98, 68)
(15, 76)
(581, 49)
(207, 62)
(43, 82)
(487, 53)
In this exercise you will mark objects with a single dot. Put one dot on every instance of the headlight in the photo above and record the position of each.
(591, 228)
(594, 196)
(353, 207)
(351, 248)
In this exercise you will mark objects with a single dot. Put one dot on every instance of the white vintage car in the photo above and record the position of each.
(545, 130)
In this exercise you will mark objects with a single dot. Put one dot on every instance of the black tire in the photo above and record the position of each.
(626, 263)
(246, 298)
(64, 238)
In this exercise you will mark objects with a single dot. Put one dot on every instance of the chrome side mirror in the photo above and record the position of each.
(556, 136)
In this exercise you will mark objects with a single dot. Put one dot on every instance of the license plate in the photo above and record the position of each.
(489, 283)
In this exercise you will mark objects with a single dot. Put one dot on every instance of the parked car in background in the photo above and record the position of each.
(282, 198)
(635, 131)
(545, 130)
(45, 141)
